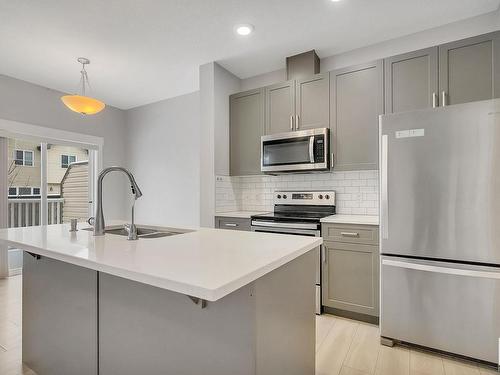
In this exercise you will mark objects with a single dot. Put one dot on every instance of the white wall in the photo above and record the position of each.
(454, 31)
(164, 154)
(25, 102)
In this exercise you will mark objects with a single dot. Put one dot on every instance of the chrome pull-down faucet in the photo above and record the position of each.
(99, 224)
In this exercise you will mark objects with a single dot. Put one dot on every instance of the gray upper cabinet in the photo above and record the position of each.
(246, 128)
(411, 81)
(467, 70)
(312, 102)
(356, 101)
(280, 107)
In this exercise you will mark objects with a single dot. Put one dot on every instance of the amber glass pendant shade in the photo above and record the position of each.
(81, 103)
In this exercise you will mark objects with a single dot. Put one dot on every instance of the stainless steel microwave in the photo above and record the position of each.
(300, 151)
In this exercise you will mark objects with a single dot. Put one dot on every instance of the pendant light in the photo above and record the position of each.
(79, 102)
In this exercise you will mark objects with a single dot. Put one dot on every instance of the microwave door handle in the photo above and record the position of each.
(311, 149)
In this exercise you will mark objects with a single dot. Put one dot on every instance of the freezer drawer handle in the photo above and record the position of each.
(349, 234)
(230, 224)
(438, 269)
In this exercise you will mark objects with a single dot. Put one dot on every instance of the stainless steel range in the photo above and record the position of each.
(298, 213)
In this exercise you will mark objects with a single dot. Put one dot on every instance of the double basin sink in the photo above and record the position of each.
(142, 232)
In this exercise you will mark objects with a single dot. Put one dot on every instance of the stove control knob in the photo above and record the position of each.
(285, 197)
(278, 196)
(327, 196)
(320, 196)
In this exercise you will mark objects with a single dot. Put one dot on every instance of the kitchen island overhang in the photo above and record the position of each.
(259, 319)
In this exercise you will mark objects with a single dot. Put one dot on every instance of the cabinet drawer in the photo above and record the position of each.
(232, 223)
(364, 234)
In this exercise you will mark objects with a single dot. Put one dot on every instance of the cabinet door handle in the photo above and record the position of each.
(291, 122)
(331, 160)
(434, 100)
(443, 99)
(230, 225)
(297, 122)
(349, 234)
(323, 254)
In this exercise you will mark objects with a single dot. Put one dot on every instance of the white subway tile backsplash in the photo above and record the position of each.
(357, 191)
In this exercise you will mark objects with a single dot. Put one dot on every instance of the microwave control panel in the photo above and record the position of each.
(319, 149)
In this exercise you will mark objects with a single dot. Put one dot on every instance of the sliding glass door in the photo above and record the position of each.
(45, 183)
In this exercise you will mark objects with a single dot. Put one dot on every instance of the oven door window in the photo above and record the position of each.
(286, 152)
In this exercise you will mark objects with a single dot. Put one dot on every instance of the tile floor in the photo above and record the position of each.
(343, 346)
(347, 347)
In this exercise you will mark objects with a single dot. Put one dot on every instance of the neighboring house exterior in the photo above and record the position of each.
(24, 167)
(58, 160)
(75, 191)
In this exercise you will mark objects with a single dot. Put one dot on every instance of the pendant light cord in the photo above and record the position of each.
(84, 80)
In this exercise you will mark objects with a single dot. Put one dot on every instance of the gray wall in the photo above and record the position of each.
(216, 84)
(225, 84)
(25, 102)
(164, 153)
(207, 159)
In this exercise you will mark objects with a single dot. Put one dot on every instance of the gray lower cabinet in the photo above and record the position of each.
(312, 97)
(246, 128)
(59, 317)
(468, 69)
(232, 223)
(266, 327)
(280, 107)
(351, 270)
(356, 101)
(411, 81)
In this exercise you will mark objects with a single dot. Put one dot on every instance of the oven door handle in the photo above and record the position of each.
(279, 225)
(304, 232)
(311, 149)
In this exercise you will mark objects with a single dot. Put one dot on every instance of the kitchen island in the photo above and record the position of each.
(203, 301)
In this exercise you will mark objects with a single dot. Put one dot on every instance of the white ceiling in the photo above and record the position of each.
(148, 50)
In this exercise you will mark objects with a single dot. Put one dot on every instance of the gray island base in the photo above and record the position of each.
(80, 321)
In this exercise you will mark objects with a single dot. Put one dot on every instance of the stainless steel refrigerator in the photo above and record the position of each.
(440, 228)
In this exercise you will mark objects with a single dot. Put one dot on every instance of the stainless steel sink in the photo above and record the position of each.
(141, 232)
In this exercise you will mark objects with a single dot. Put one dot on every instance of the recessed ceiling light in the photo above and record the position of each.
(335, 1)
(244, 29)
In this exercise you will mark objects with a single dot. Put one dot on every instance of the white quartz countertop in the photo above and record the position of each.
(204, 263)
(351, 219)
(240, 214)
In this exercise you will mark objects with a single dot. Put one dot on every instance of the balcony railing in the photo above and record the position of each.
(25, 212)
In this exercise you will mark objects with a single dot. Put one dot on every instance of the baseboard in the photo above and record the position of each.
(351, 315)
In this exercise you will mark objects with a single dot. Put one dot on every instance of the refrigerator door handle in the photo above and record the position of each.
(383, 182)
(441, 269)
